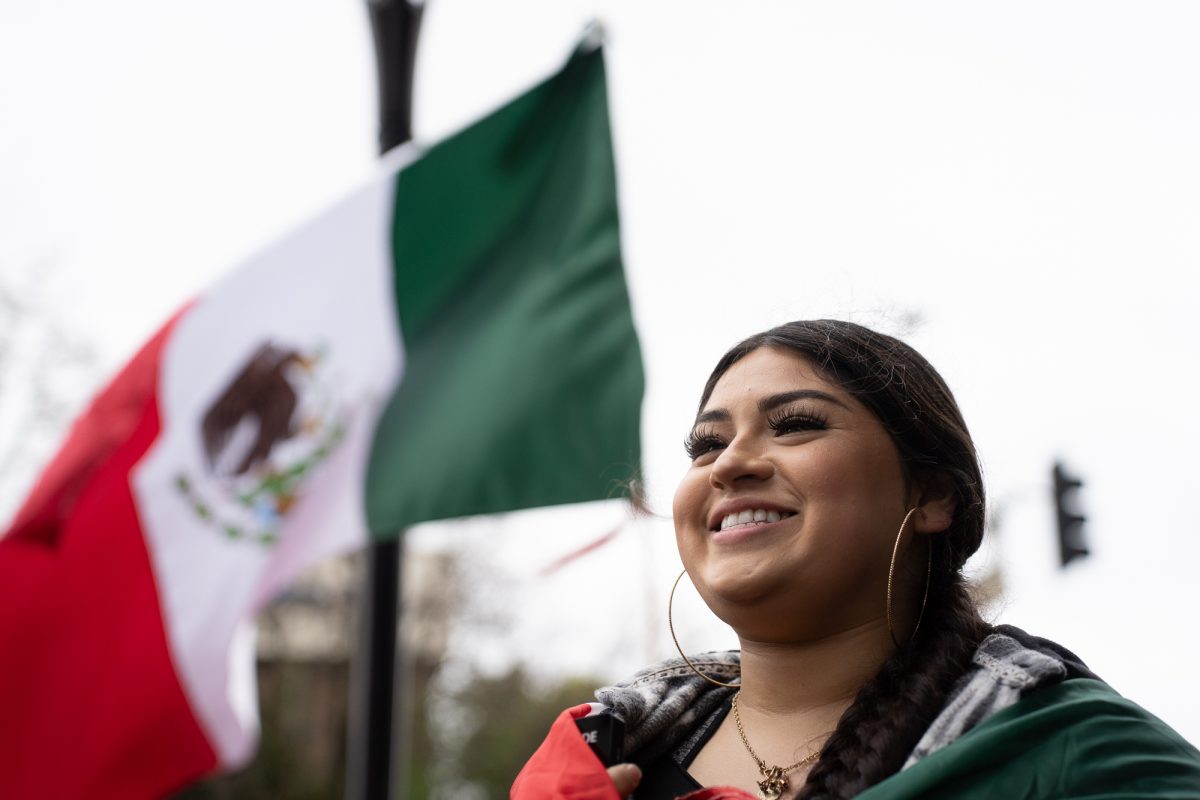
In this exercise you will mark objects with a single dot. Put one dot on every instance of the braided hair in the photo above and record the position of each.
(892, 710)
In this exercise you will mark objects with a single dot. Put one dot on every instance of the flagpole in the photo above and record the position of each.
(373, 738)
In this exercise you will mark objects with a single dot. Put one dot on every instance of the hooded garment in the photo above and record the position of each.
(1027, 720)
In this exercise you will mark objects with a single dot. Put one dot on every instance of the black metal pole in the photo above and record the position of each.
(395, 25)
(373, 738)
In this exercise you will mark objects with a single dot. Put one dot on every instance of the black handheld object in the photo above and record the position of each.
(605, 734)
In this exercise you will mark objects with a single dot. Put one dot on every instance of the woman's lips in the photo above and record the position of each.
(750, 530)
(741, 510)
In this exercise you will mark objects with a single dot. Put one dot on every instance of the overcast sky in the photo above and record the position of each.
(1012, 187)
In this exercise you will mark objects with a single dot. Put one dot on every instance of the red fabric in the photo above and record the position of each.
(90, 705)
(564, 767)
(719, 793)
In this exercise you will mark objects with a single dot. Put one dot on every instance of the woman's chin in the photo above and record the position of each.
(735, 592)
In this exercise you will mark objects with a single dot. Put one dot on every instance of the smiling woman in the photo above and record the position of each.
(833, 497)
(775, 436)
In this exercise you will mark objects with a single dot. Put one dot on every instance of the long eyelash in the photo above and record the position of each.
(700, 441)
(787, 420)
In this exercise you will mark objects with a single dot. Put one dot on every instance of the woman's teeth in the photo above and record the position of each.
(750, 517)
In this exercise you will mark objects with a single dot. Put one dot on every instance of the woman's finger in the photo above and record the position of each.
(625, 777)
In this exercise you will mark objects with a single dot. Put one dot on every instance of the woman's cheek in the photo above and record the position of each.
(688, 502)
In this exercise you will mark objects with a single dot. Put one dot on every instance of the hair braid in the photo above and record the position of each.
(890, 713)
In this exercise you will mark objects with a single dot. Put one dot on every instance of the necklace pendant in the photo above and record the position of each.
(773, 783)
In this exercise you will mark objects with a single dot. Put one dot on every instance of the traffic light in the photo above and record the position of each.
(1071, 544)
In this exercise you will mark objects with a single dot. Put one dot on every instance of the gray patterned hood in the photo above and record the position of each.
(664, 707)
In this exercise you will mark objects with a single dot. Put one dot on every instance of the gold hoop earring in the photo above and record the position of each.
(891, 573)
(674, 638)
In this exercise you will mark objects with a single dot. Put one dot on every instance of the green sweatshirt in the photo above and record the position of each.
(1075, 739)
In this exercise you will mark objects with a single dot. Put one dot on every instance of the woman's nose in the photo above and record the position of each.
(741, 460)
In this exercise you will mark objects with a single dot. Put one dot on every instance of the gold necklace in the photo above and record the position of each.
(774, 781)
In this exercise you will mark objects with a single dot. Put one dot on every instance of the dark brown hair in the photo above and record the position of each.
(892, 710)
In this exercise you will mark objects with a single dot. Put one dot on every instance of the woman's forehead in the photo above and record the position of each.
(767, 371)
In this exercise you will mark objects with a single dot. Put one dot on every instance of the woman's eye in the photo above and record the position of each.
(699, 444)
(797, 422)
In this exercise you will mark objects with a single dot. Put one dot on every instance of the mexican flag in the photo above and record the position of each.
(453, 338)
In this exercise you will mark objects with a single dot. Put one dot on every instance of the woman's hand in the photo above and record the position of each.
(625, 777)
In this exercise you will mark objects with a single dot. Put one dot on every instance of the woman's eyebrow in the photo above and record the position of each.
(772, 402)
(777, 400)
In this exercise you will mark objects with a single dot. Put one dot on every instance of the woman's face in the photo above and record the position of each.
(787, 516)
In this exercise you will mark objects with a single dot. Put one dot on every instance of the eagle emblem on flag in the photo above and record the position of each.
(262, 436)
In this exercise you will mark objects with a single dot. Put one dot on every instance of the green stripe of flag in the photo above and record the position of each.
(523, 378)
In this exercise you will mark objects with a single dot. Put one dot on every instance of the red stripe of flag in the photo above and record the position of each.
(90, 705)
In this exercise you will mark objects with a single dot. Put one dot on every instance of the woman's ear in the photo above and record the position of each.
(936, 501)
